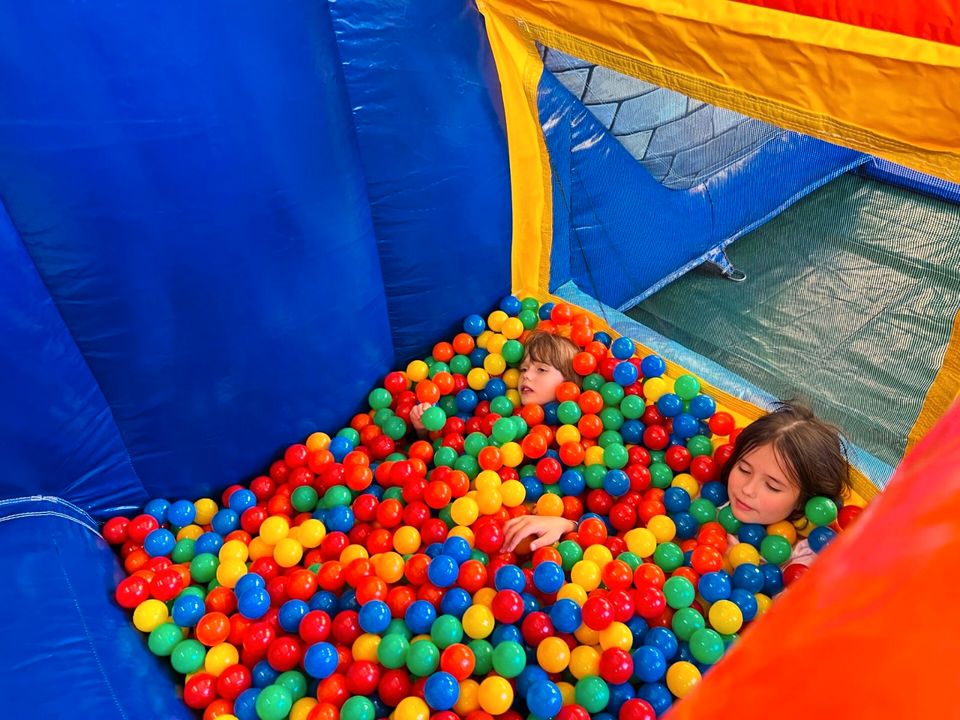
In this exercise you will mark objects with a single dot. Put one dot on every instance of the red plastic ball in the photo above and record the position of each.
(115, 530)
(132, 591)
(616, 665)
(597, 613)
(233, 681)
(363, 677)
(637, 709)
(507, 606)
(536, 627)
(200, 690)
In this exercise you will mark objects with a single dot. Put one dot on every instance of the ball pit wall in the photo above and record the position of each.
(196, 277)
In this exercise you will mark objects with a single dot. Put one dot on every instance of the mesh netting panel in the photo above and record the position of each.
(851, 284)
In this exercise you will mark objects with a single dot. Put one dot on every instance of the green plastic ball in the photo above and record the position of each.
(188, 656)
(686, 387)
(592, 693)
(686, 621)
(203, 567)
(392, 651)
(274, 703)
(703, 511)
(668, 556)
(445, 631)
(483, 655)
(707, 646)
(423, 657)
(820, 510)
(570, 554)
(699, 445)
(660, 475)
(728, 521)
(358, 708)
(775, 549)
(632, 407)
(509, 659)
(379, 398)
(512, 350)
(304, 499)
(293, 681)
(679, 592)
(164, 638)
(568, 412)
(433, 418)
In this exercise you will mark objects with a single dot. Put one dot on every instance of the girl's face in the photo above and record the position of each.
(760, 489)
(538, 382)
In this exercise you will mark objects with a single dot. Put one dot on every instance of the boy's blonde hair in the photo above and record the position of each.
(554, 350)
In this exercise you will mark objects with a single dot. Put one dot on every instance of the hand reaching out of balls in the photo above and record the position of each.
(416, 416)
(547, 530)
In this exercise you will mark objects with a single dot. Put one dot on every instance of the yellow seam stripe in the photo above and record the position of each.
(743, 411)
(944, 389)
(519, 68)
(887, 94)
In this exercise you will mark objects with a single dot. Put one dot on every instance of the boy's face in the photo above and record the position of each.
(538, 382)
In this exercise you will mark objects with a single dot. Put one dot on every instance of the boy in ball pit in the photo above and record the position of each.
(547, 362)
(779, 462)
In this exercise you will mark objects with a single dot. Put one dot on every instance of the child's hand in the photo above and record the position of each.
(416, 416)
(547, 529)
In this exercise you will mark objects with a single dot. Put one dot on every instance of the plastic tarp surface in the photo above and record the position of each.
(74, 652)
(186, 181)
(429, 122)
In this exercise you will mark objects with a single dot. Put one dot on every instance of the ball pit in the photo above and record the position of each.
(364, 576)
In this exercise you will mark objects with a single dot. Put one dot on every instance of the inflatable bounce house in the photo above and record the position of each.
(238, 237)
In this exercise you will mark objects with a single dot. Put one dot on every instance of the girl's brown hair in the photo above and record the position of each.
(553, 350)
(812, 452)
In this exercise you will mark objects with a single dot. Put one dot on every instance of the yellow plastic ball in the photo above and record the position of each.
(274, 529)
(784, 529)
(317, 441)
(496, 695)
(487, 480)
(417, 370)
(496, 319)
(567, 433)
(763, 603)
(725, 617)
(406, 540)
(300, 710)
(593, 456)
(553, 655)
(586, 574)
(464, 511)
(512, 328)
(230, 571)
(641, 541)
(495, 344)
(489, 501)
(743, 553)
(550, 505)
(412, 708)
(353, 552)
(572, 591)
(189, 532)
(149, 614)
(682, 677)
(365, 647)
(389, 567)
(599, 555)
(477, 378)
(478, 621)
(469, 699)
(513, 493)
(584, 661)
(483, 338)
(514, 396)
(494, 363)
(511, 378)
(587, 635)
(287, 552)
(687, 482)
(662, 527)
(616, 635)
(654, 388)
(484, 596)
(312, 533)
(259, 549)
(233, 550)
(463, 532)
(220, 657)
(206, 509)
(511, 454)
(568, 693)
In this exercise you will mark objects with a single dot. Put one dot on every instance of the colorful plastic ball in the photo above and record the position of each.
(565, 615)
(320, 660)
(495, 695)
(649, 663)
(443, 571)
(592, 693)
(507, 606)
(358, 707)
(159, 543)
(188, 656)
(725, 617)
(820, 537)
(746, 601)
(423, 658)
(544, 698)
(420, 616)
(441, 691)
(509, 659)
(374, 616)
(715, 586)
(820, 510)
(164, 638)
(548, 577)
(274, 703)
(187, 610)
(412, 708)
(772, 580)
(253, 603)
(706, 646)
(682, 677)
(775, 549)
(149, 614)
(553, 654)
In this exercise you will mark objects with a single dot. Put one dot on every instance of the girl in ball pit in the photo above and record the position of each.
(547, 362)
(779, 462)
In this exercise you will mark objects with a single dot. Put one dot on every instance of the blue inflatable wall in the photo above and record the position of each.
(220, 225)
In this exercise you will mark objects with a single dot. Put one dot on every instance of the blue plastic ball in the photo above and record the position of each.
(545, 310)
(703, 407)
(686, 524)
(506, 633)
(544, 698)
(187, 610)
(622, 348)
(616, 483)
(225, 521)
(746, 601)
(528, 676)
(638, 629)
(548, 577)
(572, 482)
(443, 571)
(263, 674)
(625, 373)
(457, 548)
(658, 695)
(455, 602)
(819, 538)
(649, 663)
(748, 577)
(565, 615)
(714, 491)
(474, 325)
(670, 405)
(685, 426)
(254, 603)
(339, 447)
(632, 431)
(511, 305)
(321, 660)
(441, 691)
(467, 400)
(419, 616)
(245, 706)
(772, 579)
(374, 616)
(664, 639)
(157, 508)
(159, 542)
(676, 499)
(181, 513)
(653, 366)
(241, 500)
(752, 533)
(291, 613)
(339, 519)
(249, 581)
(324, 600)
(715, 586)
(510, 577)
